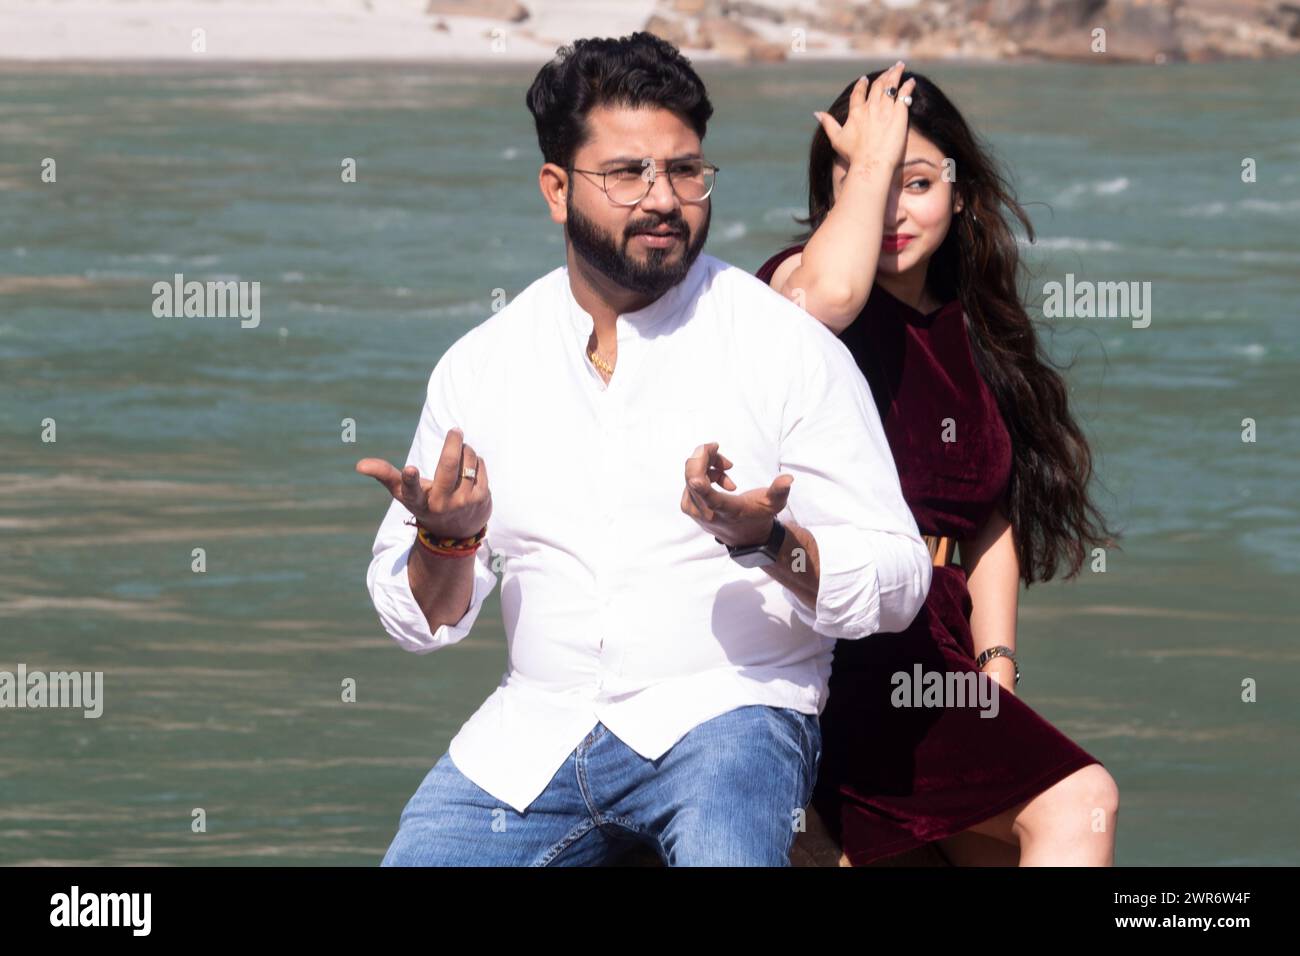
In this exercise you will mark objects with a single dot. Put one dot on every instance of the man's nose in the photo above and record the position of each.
(661, 195)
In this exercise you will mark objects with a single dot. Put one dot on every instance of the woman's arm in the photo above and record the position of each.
(993, 579)
(832, 277)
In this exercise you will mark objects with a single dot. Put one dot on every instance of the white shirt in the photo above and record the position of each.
(617, 606)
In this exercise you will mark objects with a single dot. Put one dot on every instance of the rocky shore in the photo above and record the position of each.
(1143, 31)
(1084, 31)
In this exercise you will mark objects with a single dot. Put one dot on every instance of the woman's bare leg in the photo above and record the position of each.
(969, 848)
(1071, 823)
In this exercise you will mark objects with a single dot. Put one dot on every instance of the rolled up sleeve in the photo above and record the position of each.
(386, 578)
(874, 568)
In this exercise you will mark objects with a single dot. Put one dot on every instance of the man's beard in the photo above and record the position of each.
(657, 274)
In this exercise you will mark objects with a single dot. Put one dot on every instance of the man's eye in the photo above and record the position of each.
(687, 169)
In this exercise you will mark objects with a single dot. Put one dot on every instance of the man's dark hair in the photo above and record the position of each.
(631, 71)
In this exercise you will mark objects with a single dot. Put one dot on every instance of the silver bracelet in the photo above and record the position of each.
(1000, 651)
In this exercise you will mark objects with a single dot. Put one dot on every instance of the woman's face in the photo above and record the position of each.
(919, 208)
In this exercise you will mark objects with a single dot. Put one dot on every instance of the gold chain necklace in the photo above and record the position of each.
(599, 362)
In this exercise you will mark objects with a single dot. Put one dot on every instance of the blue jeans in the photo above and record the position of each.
(731, 792)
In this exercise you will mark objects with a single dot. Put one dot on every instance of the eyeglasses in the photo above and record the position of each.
(691, 179)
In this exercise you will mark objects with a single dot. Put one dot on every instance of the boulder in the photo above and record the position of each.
(510, 10)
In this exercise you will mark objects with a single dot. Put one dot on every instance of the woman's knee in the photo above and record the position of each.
(1088, 796)
(1095, 789)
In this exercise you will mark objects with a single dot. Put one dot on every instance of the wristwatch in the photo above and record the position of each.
(757, 555)
(1000, 651)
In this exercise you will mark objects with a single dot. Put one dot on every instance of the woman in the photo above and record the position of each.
(909, 259)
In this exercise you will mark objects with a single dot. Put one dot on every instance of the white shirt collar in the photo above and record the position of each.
(642, 322)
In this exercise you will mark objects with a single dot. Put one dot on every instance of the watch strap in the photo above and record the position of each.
(771, 547)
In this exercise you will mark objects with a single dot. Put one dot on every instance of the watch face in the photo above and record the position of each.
(753, 559)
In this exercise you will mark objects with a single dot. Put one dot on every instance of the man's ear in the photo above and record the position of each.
(553, 181)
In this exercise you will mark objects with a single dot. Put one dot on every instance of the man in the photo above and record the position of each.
(670, 635)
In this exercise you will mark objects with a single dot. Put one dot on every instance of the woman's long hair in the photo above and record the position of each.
(978, 263)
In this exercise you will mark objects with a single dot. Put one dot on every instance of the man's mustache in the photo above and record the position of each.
(677, 226)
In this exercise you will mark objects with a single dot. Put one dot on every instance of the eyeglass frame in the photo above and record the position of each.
(650, 184)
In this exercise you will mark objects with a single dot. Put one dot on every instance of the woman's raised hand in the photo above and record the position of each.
(875, 133)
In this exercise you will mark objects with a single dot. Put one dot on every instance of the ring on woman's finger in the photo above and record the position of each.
(891, 92)
(907, 99)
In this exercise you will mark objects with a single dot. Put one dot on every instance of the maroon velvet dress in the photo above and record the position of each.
(895, 778)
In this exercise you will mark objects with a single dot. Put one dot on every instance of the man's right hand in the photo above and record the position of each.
(449, 505)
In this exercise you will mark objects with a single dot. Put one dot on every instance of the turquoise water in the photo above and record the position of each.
(223, 688)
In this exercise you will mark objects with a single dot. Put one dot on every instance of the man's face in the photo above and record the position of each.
(611, 237)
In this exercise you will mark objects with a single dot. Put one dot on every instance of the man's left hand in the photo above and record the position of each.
(737, 520)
